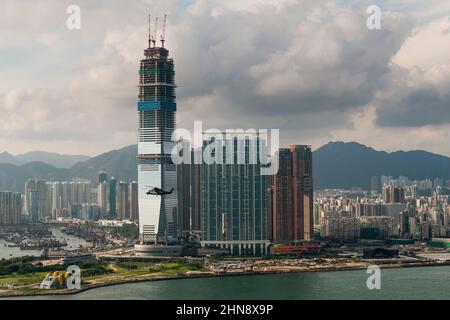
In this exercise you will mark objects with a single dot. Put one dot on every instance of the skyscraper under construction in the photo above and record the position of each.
(156, 112)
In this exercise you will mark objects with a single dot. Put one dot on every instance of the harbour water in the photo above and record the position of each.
(73, 243)
(7, 252)
(402, 283)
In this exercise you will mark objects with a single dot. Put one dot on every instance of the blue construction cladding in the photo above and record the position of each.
(156, 105)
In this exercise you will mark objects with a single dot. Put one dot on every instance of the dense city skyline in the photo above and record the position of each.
(93, 85)
(228, 113)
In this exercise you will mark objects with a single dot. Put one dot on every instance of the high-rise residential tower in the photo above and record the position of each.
(10, 208)
(282, 199)
(134, 210)
(123, 201)
(234, 198)
(64, 194)
(102, 200)
(188, 220)
(303, 192)
(156, 115)
(38, 200)
(112, 201)
(292, 196)
(393, 194)
(102, 176)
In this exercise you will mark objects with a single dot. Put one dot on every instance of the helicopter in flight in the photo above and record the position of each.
(155, 191)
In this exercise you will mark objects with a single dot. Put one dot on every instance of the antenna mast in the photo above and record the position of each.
(163, 35)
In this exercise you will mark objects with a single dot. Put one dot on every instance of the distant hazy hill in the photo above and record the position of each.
(122, 164)
(6, 157)
(346, 165)
(12, 177)
(53, 159)
(336, 165)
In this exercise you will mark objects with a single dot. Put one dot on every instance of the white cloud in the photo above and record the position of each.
(306, 67)
(428, 47)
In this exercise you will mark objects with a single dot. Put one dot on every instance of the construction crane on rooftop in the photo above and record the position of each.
(149, 30)
(156, 32)
(163, 34)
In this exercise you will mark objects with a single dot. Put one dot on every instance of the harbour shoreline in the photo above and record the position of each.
(86, 287)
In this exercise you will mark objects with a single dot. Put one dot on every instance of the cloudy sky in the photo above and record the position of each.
(310, 68)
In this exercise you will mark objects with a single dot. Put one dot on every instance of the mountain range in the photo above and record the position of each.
(335, 165)
(54, 159)
(122, 164)
(347, 165)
